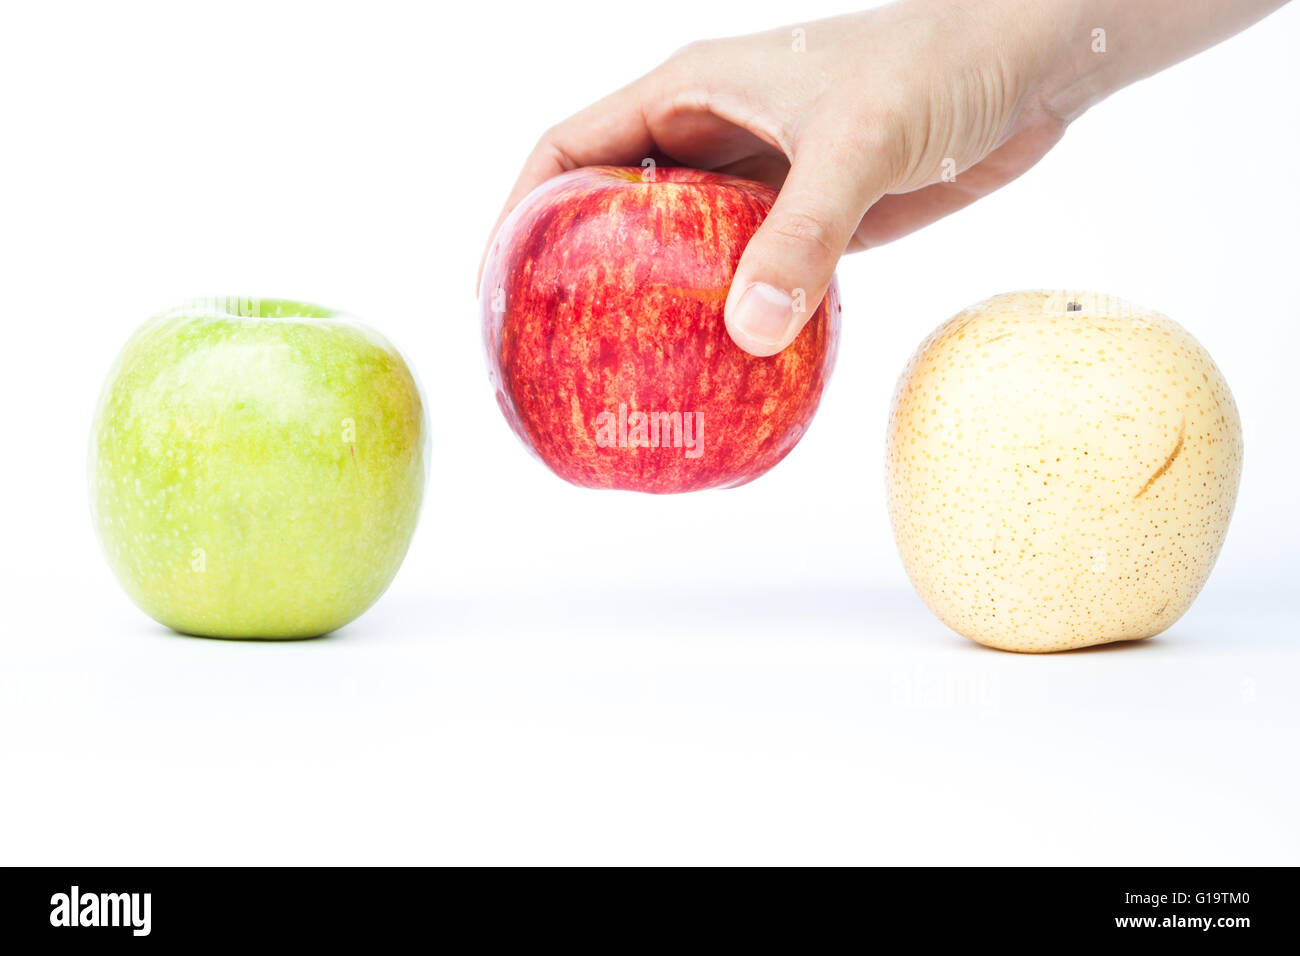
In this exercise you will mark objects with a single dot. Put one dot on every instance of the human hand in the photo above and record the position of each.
(873, 124)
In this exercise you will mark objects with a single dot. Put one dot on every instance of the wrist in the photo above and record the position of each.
(1076, 74)
(1104, 45)
(1045, 48)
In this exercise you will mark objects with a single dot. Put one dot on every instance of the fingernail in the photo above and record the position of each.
(763, 319)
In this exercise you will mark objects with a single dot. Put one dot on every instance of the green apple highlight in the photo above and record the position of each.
(256, 471)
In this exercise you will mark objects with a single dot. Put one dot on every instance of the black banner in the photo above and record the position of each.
(137, 907)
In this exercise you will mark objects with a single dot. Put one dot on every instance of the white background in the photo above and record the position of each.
(560, 675)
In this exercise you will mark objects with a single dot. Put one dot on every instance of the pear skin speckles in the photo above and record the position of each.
(1061, 470)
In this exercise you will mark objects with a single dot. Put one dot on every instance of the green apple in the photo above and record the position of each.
(256, 468)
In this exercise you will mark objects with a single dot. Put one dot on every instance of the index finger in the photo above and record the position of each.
(611, 131)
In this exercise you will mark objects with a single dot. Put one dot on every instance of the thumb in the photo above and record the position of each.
(786, 268)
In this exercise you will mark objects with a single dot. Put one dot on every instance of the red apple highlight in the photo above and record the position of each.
(602, 304)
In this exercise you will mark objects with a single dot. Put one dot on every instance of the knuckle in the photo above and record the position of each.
(549, 148)
(879, 139)
(867, 139)
(804, 229)
(550, 136)
(692, 57)
(545, 142)
(695, 50)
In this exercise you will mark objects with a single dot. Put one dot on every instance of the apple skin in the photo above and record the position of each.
(604, 289)
(257, 475)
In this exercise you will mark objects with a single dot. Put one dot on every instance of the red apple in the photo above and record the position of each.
(602, 303)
